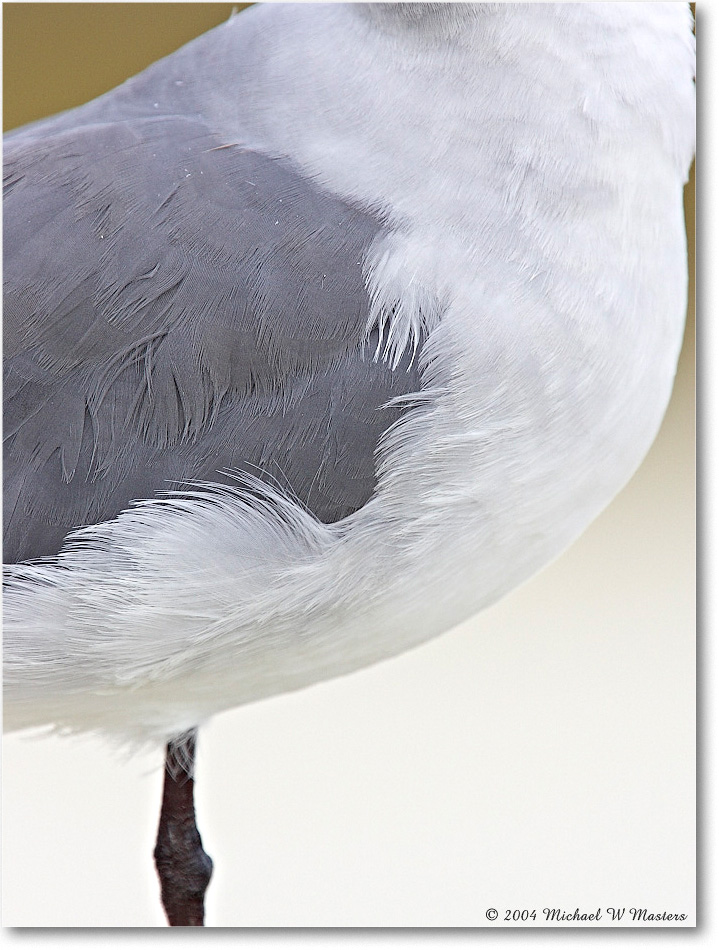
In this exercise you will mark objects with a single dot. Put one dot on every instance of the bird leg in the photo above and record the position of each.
(182, 865)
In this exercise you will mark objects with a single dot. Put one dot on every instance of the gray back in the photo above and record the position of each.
(176, 309)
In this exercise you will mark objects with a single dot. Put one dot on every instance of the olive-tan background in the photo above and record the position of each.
(539, 755)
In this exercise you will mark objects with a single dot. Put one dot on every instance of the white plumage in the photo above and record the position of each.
(531, 163)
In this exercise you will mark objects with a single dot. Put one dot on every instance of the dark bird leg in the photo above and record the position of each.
(183, 867)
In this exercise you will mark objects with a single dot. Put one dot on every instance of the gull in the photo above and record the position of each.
(322, 334)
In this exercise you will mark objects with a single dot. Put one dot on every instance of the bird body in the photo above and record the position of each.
(498, 192)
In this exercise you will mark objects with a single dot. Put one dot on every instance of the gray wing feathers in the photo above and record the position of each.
(175, 309)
